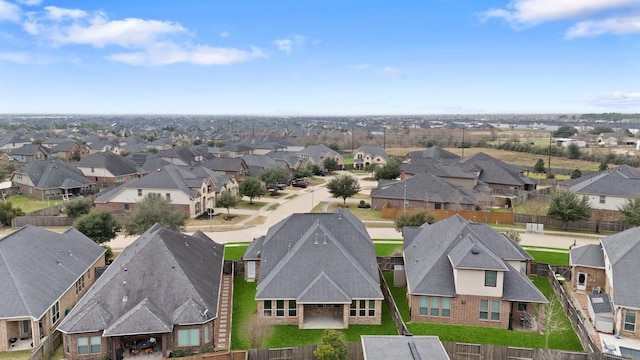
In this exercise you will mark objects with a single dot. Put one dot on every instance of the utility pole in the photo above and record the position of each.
(463, 141)
(353, 130)
(384, 138)
(550, 137)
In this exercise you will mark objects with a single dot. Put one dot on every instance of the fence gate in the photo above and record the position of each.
(468, 351)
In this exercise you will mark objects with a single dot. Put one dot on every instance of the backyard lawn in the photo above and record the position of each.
(244, 308)
(566, 340)
(15, 355)
(235, 251)
(29, 204)
(549, 256)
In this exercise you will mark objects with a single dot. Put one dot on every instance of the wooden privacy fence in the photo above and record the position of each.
(47, 346)
(395, 313)
(354, 352)
(44, 221)
(476, 216)
(591, 225)
(227, 355)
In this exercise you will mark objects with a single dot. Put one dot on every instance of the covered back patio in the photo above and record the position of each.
(325, 316)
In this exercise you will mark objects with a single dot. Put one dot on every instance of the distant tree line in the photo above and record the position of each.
(609, 116)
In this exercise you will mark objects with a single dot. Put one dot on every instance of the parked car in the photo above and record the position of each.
(280, 186)
(299, 183)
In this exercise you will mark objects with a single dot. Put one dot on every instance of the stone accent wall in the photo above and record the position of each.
(465, 310)
(595, 278)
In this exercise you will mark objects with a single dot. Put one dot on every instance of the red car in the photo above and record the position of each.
(299, 183)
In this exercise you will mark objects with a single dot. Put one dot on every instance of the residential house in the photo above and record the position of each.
(609, 189)
(179, 156)
(108, 169)
(30, 153)
(190, 193)
(235, 166)
(68, 150)
(422, 191)
(317, 153)
(399, 347)
(51, 179)
(13, 140)
(294, 161)
(43, 275)
(97, 146)
(165, 286)
(612, 268)
(461, 272)
(257, 163)
(369, 154)
(316, 270)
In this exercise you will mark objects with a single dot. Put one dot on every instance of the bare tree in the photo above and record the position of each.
(258, 331)
(554, 320)
(535, 207)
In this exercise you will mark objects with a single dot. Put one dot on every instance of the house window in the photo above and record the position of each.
(267, 308)
(630, 320)
(83, 345)
(446, 307)
(189, 337)
(93, 170)
(293, 308)
(55, 312)
(279, 307)
(490, 277)
(602, 199)
(80, 284)
(522, 307)
(437, 206)
(372, 308)
(423, 305)
(126, 207)
(167, 196)
(353, 311)
(523, 267)
(495, 310)
(95, 342)
(363, 308)
(435, 306)
(66, 345)
(484, 309)
(206, 334)
(139, 192)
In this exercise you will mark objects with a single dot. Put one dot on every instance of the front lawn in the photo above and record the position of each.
(235, 251)
(566, 340)
(245, 204)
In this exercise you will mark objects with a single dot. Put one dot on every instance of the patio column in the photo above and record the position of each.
(164, 345)
(35, 333)
(114, 355)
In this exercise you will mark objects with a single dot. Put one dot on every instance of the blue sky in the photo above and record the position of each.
(319, 57)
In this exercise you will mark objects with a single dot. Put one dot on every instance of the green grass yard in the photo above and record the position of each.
(548, 257)
(566, 340)
(15, 355)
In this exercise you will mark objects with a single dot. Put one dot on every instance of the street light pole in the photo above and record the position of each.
(404, 199)
(312, 191)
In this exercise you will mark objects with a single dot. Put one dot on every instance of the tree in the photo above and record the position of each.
(576, 173)
(630, 211)
(332, 346)
(567, 206)
(603, 165)
(573, 151)
(330, 164)
(597, 130)
(413, 218)
(274, 175)
(227, 200)
(565, 132)
(539, 166)
(252, 188)
(76, 208)
(8, 212)
(535, 207)
(553, 321)
(6, 170)
(154, 209)
(343, 186)
(99, 226)
(303, 172)
(75, 156)
(390, 170)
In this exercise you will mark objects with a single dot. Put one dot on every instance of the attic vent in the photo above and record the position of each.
(324, 239)
(158, 170)
(475, 251)
(125, 298)
(316, 242)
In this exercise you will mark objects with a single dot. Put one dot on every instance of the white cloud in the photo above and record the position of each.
(224, 34)
(287, 45)
(524, 13)
(165, 54)
(56, 13)
(9, 11)
(618, 26)
(614, 99)
(30, 2)
(16, 57)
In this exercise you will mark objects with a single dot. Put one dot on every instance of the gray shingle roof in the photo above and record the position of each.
(494, 171)
(373, 151)
(115, 164)
(600, 303)
(317, 258)
(30, 287)
(162, 279)
(622, 181)
(224, 164)
(623, 252)
(433, 152)
(425, 187)
(431, 253)
(48, 174)
(590, 255)
(385, 347)
(319, 152)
